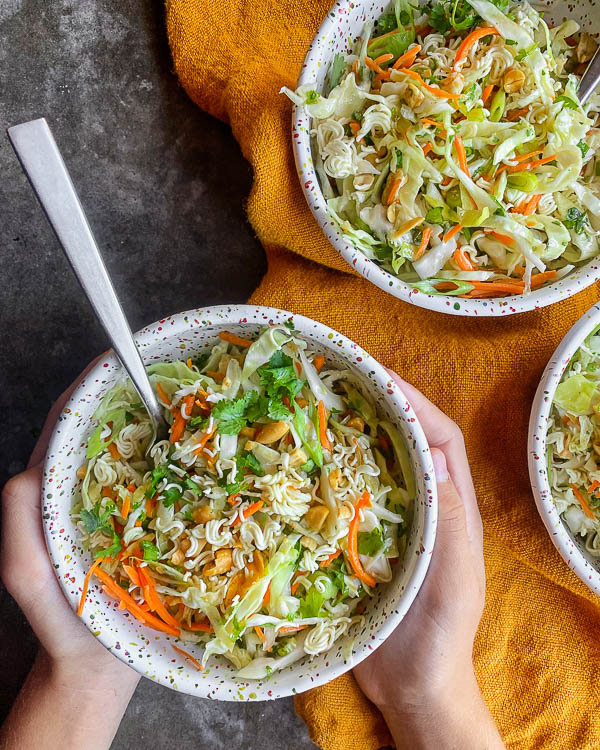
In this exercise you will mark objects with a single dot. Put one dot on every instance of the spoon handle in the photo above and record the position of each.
(590, 78)
(43, 164)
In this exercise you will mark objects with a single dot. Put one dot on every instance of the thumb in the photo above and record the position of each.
(453, 530)
(451, 515)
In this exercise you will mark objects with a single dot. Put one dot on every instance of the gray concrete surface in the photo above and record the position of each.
(164, 187)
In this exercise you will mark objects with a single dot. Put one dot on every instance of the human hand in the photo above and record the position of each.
(27, 573)
(422, 677)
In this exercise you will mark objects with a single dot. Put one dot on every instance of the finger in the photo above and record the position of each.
(39, 451)
(26, 568)
(454, 532)
(441, 432)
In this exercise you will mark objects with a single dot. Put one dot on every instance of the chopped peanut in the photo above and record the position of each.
(203, 514)
(222, 563)
(315, 516)
(308, 542)
(82, 471)
(334, 478)
(356, 423)
(298, 457)
(344, 512)
(234, 587)
(271, 433)
(586, 48)
(248, 432)
(513, 80)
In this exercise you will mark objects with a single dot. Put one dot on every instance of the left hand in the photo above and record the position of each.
(29, 577)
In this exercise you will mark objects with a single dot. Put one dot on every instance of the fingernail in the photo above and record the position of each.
(439, 466)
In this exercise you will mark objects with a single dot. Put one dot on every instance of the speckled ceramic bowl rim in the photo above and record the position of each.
(235, 315)
(319, 56)
(538, 474)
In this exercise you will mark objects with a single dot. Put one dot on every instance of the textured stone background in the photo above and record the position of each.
(164, 187)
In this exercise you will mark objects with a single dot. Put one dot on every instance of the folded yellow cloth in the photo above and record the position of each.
(538, 645)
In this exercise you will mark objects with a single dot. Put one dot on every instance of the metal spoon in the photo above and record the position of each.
(590, 79)
(41, 160)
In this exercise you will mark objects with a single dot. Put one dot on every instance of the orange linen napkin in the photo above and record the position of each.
(538, 645)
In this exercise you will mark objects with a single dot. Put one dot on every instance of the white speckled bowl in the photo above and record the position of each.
(337, 33)
(149, 652)
(569, 545)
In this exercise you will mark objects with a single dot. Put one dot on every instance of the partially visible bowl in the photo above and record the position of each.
(342, 25)
(151, 653)
(570, 546)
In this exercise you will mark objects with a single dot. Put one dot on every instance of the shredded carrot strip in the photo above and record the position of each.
(331, 558)
(233, 499)
(424, 243)
(429, 121)
(145, 617)
(451, 232)
(201, 627)
(150, 507)
(383, 58)
(291, 629)
(178, 426)
(267, 596)
(541, 278)
(462, 154)
(515, 114)
(354, 127)
(470, 40)
(233, 339)
(162, 395)
(318, 362)
(393, 190)
(365, 499)
(485, 94)
(504, 238)
(108, 492)
(408, 58)
(219, 376)
(446, 181)
(583, 503)
(462, 260)
(427, 148)
(259, 633)
(532, 204)
(325, 442)
(432, 90)
(294, 587)
(153, 598)
(408, 226)
(86, 584)
(203, 441)
(380, 71)
(525, 157)
(187, 656)
(593, 486)
(250, 510)
(114, 452)
(125, 508)
(132, 573)
(526, 165)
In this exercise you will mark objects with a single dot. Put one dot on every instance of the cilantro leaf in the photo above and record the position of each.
(111, 551)
(232, 413)
(576, 220)
(96, 519)
(171, 496)
(567, 101)
(370, 542)
(311, 604)
(335, 75)
(249, 461)
(583, 147)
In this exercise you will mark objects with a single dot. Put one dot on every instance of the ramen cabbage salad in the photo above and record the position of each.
(278, 502)
(453, 151)
(573, 444)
